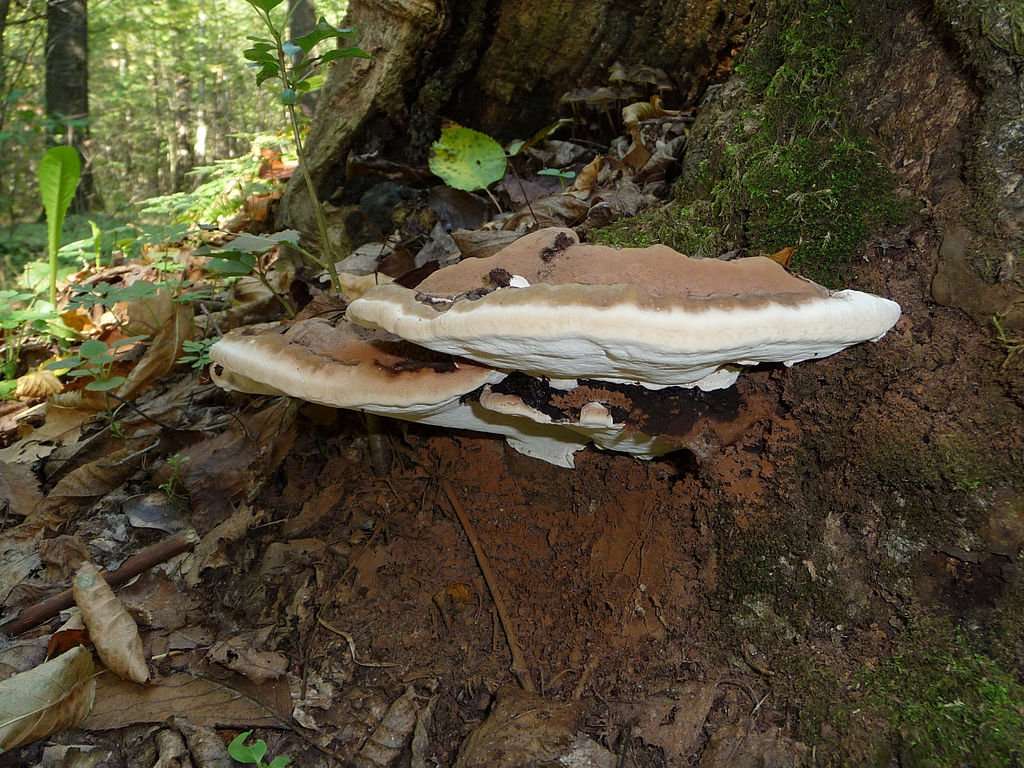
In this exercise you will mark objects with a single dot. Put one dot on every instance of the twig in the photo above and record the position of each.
(519, 668)
(526, 197)
(352, 647)
(138, 563)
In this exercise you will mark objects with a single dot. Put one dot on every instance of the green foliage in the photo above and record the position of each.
(95, 359)
(951, 705)
(466, 159)
(253, 754)
(222, 188)
(197, 353)
(794, 171)
(59, 173)
(18, 323)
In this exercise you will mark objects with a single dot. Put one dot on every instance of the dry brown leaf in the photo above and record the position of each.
(587, 178)
(52, 697)
(111, 629)
(120, 703)
(62, 425)
(209, 553)
(38, 384)
(480, 243)
(563, 210)
(784, 256)
(258, 666)
(646, 110)
(87, 482)
(19, 489)
(163, 351)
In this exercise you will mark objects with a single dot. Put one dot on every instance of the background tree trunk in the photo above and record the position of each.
(67, 84)
(301, 21)
(500, 66)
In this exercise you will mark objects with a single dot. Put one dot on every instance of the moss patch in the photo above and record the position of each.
(950, 705)
(792, 169)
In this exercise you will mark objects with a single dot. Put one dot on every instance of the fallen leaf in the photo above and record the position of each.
(586, 180)
(19, 489)
(210, 551)
(52, 697)
(113, 631)
(784, 256)
(120, 703)
(38, 384)
(258, 666)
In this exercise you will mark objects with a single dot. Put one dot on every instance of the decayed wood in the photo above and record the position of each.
(138, 563)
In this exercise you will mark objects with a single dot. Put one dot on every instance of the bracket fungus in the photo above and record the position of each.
(544, 344)
(341, 365)
(550, 306)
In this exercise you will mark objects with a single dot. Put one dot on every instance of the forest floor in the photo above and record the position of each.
(842, 586)
(748, 607)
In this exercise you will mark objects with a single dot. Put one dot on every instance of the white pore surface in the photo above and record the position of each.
(631, 344)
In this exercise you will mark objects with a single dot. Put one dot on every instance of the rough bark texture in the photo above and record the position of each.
(497, 65)
(67, 81)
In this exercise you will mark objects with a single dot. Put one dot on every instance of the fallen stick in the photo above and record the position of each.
(519, 668)
(138, 563)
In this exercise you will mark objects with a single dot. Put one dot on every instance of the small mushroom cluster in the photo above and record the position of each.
(555, 344)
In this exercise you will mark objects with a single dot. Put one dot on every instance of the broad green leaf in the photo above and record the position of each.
(92, 348)
(557, 173)
(265, 5)
(105, 385)
(344, 53)
(242, 752)
(281, 761)
(63, 365)
(59, 172)
(322, 31)
(466, 159)
(266, 73)
(247, 243)
(229, 268)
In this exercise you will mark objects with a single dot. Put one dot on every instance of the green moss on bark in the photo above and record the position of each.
(790, 168)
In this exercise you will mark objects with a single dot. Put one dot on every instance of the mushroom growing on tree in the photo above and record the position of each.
(341, 365)
(550, 306)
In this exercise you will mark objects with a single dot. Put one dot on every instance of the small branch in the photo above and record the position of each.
(138, 563)
(519, 667)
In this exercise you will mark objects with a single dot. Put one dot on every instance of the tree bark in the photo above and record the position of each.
(67, 84)
(500, 66)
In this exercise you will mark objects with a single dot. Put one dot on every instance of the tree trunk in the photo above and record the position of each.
(501, 66)
(67, 84)
(301, 17)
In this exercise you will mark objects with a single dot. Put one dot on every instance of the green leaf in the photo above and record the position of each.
(322, 31)
(466, 159)
(281, 761)
(265, 5)
(229, 267)
(105, 385)
(245, 753)
(266, 73)
(63, 365)
(246, 243)
(92, 349)
(344, 53)
(59, 172)
(557, 173)
(261, 56)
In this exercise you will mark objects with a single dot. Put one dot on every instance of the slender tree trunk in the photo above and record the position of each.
(182, 149)
(301, 21)
(67, 85)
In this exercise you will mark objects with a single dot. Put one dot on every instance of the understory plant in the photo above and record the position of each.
(59, 173)
(294, 67)
(253, 754)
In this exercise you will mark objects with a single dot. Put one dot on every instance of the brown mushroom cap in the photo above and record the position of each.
(550, 306)
(343, 366)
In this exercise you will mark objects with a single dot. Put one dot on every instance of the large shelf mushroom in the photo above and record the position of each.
(544, 344)
(550, 306)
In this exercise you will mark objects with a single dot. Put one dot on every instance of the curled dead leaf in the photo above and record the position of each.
(112, 630)
(38, 384)
(52, 697)
(646, 110)
(784, 256)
